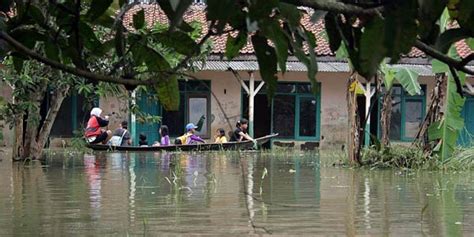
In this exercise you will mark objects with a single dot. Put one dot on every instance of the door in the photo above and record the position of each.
(150, 107)
(198, 112)
(467, 135)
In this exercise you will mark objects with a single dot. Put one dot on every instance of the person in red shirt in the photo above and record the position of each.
(94, 133)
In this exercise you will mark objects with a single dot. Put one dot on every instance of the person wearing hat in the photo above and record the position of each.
(189, 137)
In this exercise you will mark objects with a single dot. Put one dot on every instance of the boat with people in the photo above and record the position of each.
(239, 145)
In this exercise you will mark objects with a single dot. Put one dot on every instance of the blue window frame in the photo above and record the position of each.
(408, 113)
(295, 111)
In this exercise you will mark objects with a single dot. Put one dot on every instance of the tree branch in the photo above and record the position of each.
(75, 71)
(467, 59)
(336, 6)
(456, 64)
(459, 88)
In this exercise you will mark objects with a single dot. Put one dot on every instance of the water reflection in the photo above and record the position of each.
(223, 193)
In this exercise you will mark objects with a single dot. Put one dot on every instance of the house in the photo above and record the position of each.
(220, 98)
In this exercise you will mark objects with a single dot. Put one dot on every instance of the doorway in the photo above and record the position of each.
(262, 114)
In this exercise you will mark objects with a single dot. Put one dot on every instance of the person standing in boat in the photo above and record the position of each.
(94, 133)
(190, 137)
(240, 133)
(220, 136)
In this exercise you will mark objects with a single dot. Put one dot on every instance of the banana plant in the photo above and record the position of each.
(446, 131)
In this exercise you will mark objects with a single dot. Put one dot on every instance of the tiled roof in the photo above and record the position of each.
(197, 13)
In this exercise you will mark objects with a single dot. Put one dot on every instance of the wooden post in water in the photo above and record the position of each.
(368, 93)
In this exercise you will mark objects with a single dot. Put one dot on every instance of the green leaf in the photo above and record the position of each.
(267, 62)
(446, 131)
(429, 11)
(154, 61)
(470, 43)
(119, 40)
(291, 13)
(401, 29)
(52, 51)
(167, 90)
(409, 81)
(388, 76)
(372, 48)
(438, 66)
(179, 41)
(35, 13)
(331, 31)
(174, 10)
(273, 31)
(449, 37)
(98, 8)
(234, 45)
(219, 9)
(18, 64)
(466, 15)
(139, 19)
(91, 42)
(28, 37)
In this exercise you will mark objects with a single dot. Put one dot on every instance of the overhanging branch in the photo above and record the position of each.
(336, 6)
(451, 62)
(75, 71)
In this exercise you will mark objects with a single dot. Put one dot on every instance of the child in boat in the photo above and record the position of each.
(142, 140)
(190, 137)
(165, 138)
(94, 133)
(240, 133)
(220, 136)
(124, 134)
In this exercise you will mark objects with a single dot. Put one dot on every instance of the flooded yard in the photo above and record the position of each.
(227, 194)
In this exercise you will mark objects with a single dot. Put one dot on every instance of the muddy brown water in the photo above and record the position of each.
(227, 194)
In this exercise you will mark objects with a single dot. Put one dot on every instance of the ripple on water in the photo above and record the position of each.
(224, 194)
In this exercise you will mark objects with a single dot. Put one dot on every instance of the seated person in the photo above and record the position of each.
(94, 133)
(189, 137)
(124, 134)
(240, 133)
(142, 142)
(220, 136)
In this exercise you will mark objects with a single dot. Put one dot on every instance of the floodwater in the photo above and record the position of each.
(227, 194)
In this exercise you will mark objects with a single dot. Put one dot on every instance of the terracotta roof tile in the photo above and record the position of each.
(197, 13)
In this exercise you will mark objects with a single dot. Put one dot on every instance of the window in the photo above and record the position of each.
(294, 111)
(307, 113)
(284, 115)
(407, 114)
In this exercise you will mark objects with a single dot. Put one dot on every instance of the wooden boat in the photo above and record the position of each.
(244, 145)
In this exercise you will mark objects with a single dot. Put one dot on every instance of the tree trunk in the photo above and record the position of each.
(434, 111)
(386, 117)
(354, 125)
(33, 122)
(17, 153)
(44, 131)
